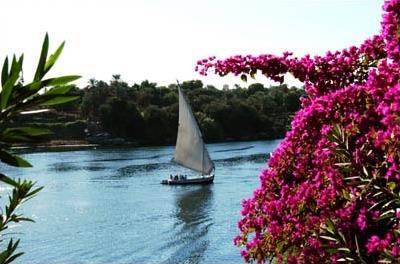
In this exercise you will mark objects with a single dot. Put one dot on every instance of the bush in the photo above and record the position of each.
(332, 190)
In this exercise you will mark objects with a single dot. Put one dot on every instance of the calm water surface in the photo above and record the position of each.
(108, 206)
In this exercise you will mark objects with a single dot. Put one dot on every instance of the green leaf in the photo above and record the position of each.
(331, 250)
(4, 72)
(12, 258)
(8, 180)
(53, 58)
(13, 160)
(59, 89)
(376, 204)
(23, 134)
(40, 70)
(34, 86)
(330, 226)
(61, 80)
(346, 195)
(344, 249)
(343, 164)
(387, 214)
(365, 171)
(34, 192)
(342, 237)
(389, 203)
(8, 86)
(13, 65)
(60, 100)
(16, 66)
(243, 77)
(29, 131)
(391, 185)
(329, 238)
(385, 261)
(25, 219)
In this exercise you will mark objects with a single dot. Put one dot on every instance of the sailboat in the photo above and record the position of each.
(190, 150)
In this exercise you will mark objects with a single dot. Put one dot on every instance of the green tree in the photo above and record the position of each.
(255, 87)
(16, 98)
(156, 121)
(192, 85)
(121, 118)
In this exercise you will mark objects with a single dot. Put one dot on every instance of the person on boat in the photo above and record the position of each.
(176, 177)
(170, 176)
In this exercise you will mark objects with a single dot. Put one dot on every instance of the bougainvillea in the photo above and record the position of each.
(331, 192)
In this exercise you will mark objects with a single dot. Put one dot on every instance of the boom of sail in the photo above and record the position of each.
(190, 150)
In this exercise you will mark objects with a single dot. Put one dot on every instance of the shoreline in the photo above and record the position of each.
(72, 145)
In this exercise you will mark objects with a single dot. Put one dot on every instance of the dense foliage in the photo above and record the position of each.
(148, 114)
(332, 190)
(16, 98)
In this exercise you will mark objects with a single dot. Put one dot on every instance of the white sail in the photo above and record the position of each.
(190, 150)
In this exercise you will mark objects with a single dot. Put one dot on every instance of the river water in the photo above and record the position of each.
(108, 206)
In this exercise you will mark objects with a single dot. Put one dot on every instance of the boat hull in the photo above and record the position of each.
(198, 180)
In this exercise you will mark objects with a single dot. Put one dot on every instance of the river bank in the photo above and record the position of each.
(70, 145)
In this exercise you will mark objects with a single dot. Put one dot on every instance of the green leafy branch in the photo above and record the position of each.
(15, 98)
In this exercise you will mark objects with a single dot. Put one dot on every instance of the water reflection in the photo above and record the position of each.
(193, 220)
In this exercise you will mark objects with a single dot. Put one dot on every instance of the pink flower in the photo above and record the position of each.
(373, 244)
(346, 135)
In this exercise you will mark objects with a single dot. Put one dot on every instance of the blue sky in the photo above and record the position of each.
(162, 40)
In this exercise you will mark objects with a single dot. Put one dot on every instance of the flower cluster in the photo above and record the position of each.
(332, 189)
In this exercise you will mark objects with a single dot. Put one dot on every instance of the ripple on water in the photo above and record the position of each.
(188, 240)
(71, 166)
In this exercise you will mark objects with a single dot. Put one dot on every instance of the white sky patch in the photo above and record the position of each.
(162, 40)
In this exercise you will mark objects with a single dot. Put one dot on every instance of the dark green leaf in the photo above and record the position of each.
(7, 88)
(12, 258)
(331, 250)
(13, 65)
(8, 180)
(16, 66)
(32, 131)
(32, 193)
(4, 72)
(13, 160)
(59, 100)
(25, 219)
(40, 70)
(23, 134)
(387, 214)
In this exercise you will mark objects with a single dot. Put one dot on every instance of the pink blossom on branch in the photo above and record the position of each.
(332, 189)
